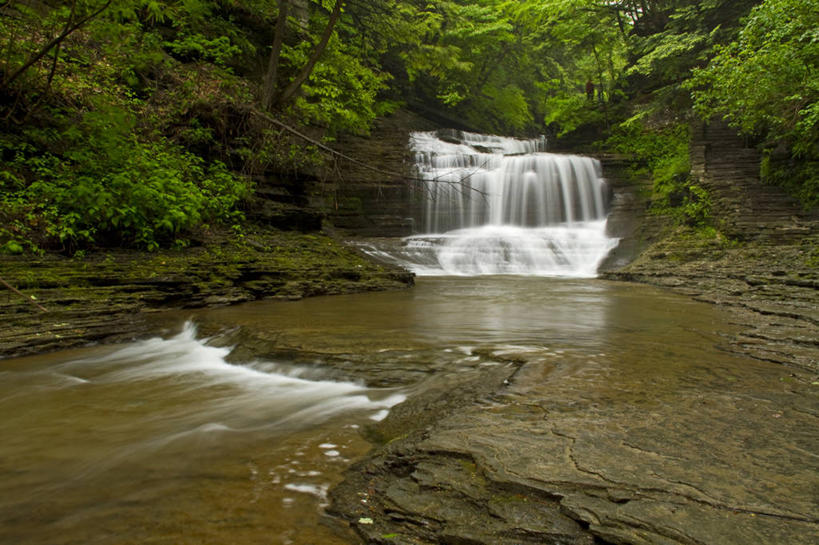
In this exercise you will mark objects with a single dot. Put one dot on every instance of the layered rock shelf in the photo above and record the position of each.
(109, 296)
(764, 265)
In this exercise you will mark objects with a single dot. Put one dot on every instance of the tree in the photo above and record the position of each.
(766, 82)
(270, 96)
(78, 15)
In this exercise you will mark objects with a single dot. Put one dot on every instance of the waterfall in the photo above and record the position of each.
(497, 205)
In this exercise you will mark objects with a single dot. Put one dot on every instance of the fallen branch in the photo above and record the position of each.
(461, 182)
(29, 298)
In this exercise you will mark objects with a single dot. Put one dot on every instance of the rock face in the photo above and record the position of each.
(108, 296)
(747, 209)
(377, 194)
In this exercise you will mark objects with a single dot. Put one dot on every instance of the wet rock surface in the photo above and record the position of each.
(772, 291)
(693, 453)
(763, 264)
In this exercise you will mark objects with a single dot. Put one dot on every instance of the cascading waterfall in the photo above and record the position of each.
(496, 205)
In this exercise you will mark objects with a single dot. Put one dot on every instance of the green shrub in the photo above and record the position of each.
(663, 154)
(108, 186)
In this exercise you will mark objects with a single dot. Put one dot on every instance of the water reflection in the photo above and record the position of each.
(183, 441)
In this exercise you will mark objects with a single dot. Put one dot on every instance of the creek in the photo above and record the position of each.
(172, 440)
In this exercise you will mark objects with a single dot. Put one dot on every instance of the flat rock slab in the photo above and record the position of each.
(600, 450)
(105, 296)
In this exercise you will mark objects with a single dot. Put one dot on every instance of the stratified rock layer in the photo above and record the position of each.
(764, 264)
(615, 449)
(108, 296)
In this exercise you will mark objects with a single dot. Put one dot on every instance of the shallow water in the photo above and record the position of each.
(175, 441)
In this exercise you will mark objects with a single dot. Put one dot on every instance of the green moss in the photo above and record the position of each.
(509, 498)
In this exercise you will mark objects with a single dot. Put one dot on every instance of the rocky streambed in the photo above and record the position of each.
(770, 288)
(695, 424)
(702, 433)
(667, 436)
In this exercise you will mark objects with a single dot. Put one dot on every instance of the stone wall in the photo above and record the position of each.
(377, 194)
(745, 207)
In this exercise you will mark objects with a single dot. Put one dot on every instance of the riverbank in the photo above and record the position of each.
(758, 256)
(770, 287)
(660, 435)
(106, 296)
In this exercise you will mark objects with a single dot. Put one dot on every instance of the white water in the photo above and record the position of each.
(167, 440)
(496, 205)
(254, 396)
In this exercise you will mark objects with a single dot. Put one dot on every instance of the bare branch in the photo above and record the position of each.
(28, 298)
(67, 30)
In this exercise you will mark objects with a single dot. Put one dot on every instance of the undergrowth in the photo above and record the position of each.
(661, 153)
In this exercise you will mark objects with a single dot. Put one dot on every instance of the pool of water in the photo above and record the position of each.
(232, 426)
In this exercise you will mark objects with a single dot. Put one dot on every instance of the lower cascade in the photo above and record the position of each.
(496, 205)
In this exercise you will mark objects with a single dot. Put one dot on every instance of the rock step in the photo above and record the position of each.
(747, 207)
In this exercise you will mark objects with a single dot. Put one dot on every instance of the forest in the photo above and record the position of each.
(137, 123)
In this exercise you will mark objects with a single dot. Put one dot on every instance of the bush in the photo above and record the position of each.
(108, 186)
(663, 154)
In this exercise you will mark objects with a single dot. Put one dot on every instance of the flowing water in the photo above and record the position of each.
(496, 205)
(171, 440)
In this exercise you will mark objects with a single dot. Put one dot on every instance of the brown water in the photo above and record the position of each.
(175, 441)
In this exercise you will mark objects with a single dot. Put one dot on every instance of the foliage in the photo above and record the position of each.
(341, 92)
(799, 176)
(132, 127)
(662, 152)
(570, 111)
(196, 46)
(766, 84)
(106, 186)
(767, 80)
(515, 66)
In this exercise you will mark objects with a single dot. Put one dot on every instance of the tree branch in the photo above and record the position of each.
(461, 182)
(28, 298)
(67, 30)
(307, 69)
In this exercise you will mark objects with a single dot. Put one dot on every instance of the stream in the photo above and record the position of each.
(173, 440)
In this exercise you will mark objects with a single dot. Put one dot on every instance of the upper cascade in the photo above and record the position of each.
(474, 180)
(497, 205)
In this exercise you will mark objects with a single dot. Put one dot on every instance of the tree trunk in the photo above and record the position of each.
(272, 75)
(305, 72)
(601, 93)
